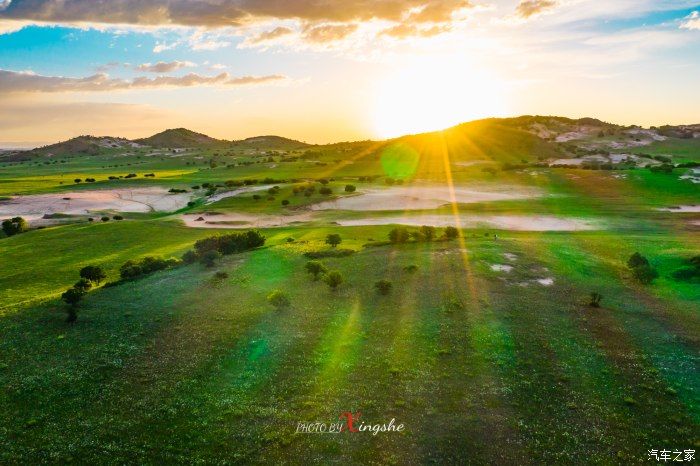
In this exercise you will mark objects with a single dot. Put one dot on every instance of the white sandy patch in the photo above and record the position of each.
(510, 256)
(501, 268)
(545, 281)
(151, 199)
(682, 209)
(502, 222)
(423, 197)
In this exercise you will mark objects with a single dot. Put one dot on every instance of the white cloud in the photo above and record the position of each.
(692, 21)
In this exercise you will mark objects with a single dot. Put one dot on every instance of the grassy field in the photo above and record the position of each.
(486, 348)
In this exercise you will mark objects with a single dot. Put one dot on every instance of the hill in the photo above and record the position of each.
(179, 137)
(271, 142)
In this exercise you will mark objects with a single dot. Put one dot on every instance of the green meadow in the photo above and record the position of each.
(486, 348)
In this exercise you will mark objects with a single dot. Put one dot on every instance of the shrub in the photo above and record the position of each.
(427, 232)
(399, 235)
(411, 268)
(383, 287)
(130, 269)
(209, 258)
(329, 253)
(333, 240)
(596, 298)
(190, 257)
(72, 298)
(285, 202)
(350, 188)
(278, 299)
(451, 232)
(118, 217)
(83, 284)
(93, 273)
(315, 268)
(637, 260)
(221, 275)
(645, 274)
(334, 279)
(152, 264)
(326, 191)
(14, 226)
(105, 219)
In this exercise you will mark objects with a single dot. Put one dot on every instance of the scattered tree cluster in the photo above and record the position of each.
(208, 250)
(89, 276)
(424, 233)
(14, 226)
(133, 269)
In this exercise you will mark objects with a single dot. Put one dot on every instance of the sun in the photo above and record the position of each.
(433, 94)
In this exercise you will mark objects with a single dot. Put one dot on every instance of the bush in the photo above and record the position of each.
(645, 274)
(315, 268)
(686, 274)
(285, 202)
(451, 232)
(333, 240)
(83, 284)
(14, 226)
(596, 298)
(411, 268)
(427, 232)
(326, 191)
(105, 219)
(334, 279)
(209, 258)
(278, 299)
(383, 287)
(230, 244)
(350, 188)
(72, 298)
(190, 257)
(221, 275)
(329, 253)
(637, 260)
(129, 270)
(118, 217)
(93, 273)
(399, 235)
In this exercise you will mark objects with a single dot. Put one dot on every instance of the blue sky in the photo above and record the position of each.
(339, 70)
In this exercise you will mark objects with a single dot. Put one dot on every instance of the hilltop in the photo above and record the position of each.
(179, 137)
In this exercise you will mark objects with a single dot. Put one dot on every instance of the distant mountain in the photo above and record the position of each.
(179, 137)
(81, 145)
(271, 142)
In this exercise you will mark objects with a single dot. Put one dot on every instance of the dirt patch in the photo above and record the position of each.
(151, 199)
(682, 209)
(238, 220)
(425, 197)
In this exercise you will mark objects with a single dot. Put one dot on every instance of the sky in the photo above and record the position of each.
(336, 70)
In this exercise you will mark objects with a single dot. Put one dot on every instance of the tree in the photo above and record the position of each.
(451, 232)
(278, 299)
(326, 191)
(316, 268)
(383, 287)
(350, 188)
(398, 235)
(93, 273)
(596, 298)
(637, 260)
(129, 270)
(83, 284)
(72, 298)
(209, 258)
(334, 279)
(285, 202)
(14, 226)
(427, 232)
(334, 240)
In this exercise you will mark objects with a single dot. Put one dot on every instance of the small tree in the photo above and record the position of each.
(451, 232)
(72, 298)
(326, 191)
(278, 299)
(209, 258)
(190, 257)
(399, 235)
(427, 232)
(350, 188)
(383, 287)
(83, 285)
(93, 273)
(596, 298)
(637, 260)
(334, 279)
(333, 240)
(130, 269)
(316, 268)
(14, 226)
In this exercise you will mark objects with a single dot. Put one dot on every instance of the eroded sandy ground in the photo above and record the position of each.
(424, 197)
(682, 209)
(148, 199)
